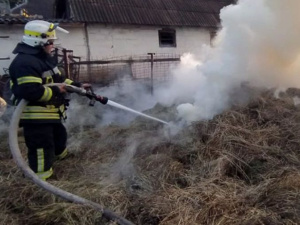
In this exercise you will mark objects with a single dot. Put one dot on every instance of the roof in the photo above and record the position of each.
(193, 13)
(200, 13)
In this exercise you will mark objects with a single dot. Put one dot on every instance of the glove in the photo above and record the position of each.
(86, 86)
(58, 98)
(102, 99)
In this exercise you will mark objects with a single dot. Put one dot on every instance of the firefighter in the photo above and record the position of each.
(32, 68)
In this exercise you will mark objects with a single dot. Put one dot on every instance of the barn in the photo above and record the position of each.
(113, 28)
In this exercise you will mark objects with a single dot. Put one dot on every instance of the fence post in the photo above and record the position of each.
(151, 55)
(66, 63)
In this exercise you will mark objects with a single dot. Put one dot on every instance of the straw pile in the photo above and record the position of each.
(240, 168)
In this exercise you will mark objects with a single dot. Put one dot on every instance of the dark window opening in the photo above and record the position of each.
(167, 38)
(61, 9)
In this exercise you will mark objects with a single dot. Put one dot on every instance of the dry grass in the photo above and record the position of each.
(240, 168)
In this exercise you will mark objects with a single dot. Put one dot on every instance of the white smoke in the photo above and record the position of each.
(128, 93)
(259, 43)
(123, 167)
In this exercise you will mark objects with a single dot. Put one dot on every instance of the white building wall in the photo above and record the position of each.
(112, 41)
(75, 41)
(7, 45)
(109, 41)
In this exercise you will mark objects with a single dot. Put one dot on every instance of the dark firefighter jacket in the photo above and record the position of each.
(29, 71)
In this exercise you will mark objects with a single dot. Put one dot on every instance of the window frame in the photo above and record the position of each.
(172, 33)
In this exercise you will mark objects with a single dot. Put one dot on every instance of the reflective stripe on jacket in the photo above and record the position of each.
(29, 71)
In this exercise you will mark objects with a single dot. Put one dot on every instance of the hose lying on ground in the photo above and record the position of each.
(15, 150)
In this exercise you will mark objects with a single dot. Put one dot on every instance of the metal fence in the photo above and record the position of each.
(150, 68)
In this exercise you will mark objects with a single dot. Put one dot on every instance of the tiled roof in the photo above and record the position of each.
(194, 13)
(12, 19)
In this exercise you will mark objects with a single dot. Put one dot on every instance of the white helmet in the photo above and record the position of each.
(39, 32)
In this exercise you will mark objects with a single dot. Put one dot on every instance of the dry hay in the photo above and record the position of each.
(240, 168)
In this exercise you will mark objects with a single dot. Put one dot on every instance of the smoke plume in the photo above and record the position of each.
(128, 93)
(258, 44)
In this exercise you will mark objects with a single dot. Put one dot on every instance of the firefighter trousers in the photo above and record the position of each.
(45, 142)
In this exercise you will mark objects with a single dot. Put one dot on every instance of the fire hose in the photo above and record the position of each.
(15, 150)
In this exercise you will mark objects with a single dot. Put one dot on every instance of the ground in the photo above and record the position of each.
(239, 168)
